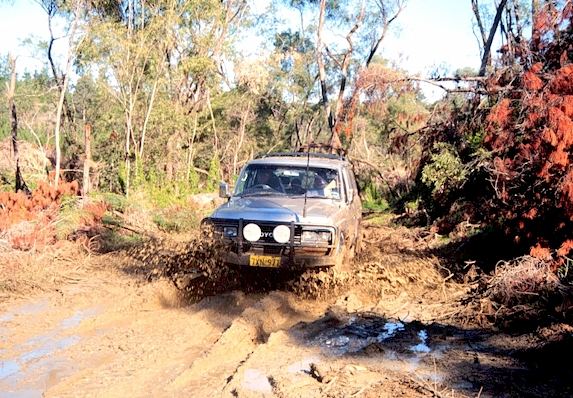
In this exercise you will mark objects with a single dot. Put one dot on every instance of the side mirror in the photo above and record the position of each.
(224, 191)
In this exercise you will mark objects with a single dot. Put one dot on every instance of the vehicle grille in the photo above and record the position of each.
(266, 244)
(266, 229)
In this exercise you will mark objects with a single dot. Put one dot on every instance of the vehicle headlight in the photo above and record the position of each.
(316, 237)
(281, 234)
(229, 232)
(252, 232)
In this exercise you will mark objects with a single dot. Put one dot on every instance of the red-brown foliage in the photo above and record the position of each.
(531, 81)
(562, 125)
(562, 83)
(41, 207)
(565, 248)
(525, 188)
(540, 252)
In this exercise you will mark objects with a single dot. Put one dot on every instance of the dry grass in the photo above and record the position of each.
(524, 280)
(24, 273)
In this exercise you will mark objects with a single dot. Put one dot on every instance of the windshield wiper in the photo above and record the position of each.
(262, 193)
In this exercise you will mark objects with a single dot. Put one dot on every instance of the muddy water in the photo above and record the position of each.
(29, 367)
(370, 334)
(146, 340)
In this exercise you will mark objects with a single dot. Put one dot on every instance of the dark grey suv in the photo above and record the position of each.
(291, 211)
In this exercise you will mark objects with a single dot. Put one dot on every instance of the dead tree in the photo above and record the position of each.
(20, 184)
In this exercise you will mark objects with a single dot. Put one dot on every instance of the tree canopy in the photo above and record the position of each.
(177, 95)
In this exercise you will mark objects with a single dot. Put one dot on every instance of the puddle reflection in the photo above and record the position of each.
(27, 372)
(25, 309)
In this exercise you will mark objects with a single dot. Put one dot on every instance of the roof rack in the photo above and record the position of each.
(299, 154)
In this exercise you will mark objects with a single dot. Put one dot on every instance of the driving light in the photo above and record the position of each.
(230, 232)
(316, 236)
(252, 232)
(281, 234)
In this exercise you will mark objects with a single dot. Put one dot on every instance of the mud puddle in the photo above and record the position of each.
(28, 368)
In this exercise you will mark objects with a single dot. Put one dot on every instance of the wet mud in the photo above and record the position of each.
(166, 319)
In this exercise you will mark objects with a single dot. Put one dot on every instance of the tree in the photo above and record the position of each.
(513, 142)
(20, 184)
(166, 51)
(363, 24)
(489, 41)
(64, 86)
(379, 15)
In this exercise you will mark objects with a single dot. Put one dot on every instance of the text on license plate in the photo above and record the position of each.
(264, 261)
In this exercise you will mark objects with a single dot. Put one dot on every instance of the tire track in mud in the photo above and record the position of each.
(215, 372)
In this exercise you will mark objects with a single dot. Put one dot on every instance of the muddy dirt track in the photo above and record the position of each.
(397, 326)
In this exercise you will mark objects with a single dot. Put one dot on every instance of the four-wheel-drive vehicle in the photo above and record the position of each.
(290, 211)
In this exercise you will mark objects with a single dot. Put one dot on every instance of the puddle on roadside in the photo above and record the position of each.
(79, 316)
(358, 333)
(7, 368)
(28, 374)
(25, 309)
(48, 346)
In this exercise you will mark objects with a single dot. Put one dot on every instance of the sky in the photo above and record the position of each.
(432, 33)
(435, 32)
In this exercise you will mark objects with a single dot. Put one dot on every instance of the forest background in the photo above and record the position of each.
(165, 106)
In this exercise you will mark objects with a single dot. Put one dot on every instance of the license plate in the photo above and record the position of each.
(264, 261)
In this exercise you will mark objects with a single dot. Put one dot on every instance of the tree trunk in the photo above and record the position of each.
(215, 136)
(86, 186)
(51, 8)
(475, 8)
(487, 48)
(63, 92)
(147, 114)
(321, 70)
(535, 25)
(20, 184)
(128, 133)
(190, 149)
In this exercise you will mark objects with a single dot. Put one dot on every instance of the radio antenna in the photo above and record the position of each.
(306, 176)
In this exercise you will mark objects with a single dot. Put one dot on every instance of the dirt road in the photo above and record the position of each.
(395, 327)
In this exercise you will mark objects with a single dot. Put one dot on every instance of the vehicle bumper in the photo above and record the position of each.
(281, 262)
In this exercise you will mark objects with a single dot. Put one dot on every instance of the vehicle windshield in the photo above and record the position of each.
(261, 180)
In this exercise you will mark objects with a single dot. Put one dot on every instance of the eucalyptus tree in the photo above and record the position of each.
(124, 45)
(519, 26)
(346, 35)
(295, 71)
(203, 47)
(172, 51)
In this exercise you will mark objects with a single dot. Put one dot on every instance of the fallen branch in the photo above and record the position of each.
(129, 228)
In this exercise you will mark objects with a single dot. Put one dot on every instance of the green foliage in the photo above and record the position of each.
(122, 177)
(138, 179)
(413, 205)
(193, 180)
(116, 202)
(475, 140)
(377, 219)
(69, 216)
(113, 239)
(445, 169)
(213, 178)
(466, 72)
(373, 199)
(177, 219)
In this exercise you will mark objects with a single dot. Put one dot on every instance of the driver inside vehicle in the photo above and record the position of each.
(267, 177)
(318, 187)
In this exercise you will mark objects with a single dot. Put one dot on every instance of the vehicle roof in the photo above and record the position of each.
(299, 158)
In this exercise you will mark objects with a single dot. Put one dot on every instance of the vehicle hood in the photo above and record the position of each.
(279, 209)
